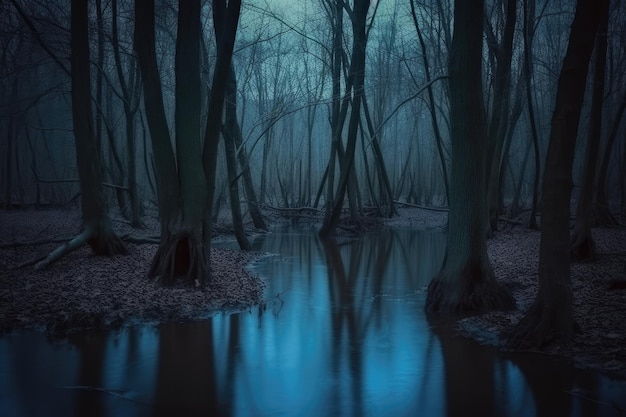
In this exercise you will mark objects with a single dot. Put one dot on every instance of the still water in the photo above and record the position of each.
(342, 334)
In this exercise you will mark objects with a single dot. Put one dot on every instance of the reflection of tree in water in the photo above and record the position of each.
(469, 373)
(91, 353)
(351, 305)
(556, 386)
(186, 374)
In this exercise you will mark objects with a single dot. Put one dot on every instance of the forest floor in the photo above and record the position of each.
(599, 293)
(83, 291)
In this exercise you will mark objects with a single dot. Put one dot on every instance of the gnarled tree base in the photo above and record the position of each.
(583, 247)
(180, 254)
(540, 326)
(475, 291)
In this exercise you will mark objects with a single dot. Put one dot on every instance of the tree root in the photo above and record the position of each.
(102, 241)
(583, 247)
(180, 254)
(539, 327)
(471, 294)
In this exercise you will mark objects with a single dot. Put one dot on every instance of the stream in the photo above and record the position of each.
(342, 333)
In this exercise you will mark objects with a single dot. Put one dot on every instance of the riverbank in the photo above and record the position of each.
(599, 298)
(82, 291)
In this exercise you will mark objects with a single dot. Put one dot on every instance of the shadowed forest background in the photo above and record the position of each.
(358, 187)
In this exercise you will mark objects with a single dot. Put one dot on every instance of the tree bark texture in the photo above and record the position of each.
(550, 316)
(466, 281)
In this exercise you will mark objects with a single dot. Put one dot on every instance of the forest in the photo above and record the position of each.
(139, 136)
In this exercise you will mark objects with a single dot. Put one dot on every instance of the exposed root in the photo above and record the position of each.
(541, 325)
(583, 247)
(102, 241)
(180, 254)
(474, 291)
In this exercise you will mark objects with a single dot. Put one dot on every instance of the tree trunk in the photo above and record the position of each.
(583, 245)
(550, 316)
(130, 108)
(244, 164)
(432, 107)
(226, 19)
(466, 281)
(529, 16)
(229, 132)
(602, 213)
(181, 250)
(499, 121)
(357, 74)
(102, 239)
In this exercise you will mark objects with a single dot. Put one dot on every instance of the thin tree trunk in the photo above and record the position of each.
(357, 74)
(130, 108)
(101, 237)
(226, 19)
(529, 16)
(244, 164)
(432, 106)
(550, 317)
(602, 213)
(499, 121)
(229, 132)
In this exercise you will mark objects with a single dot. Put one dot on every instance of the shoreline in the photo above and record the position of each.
(83, 292)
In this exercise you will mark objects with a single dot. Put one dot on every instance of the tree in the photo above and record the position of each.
(186, 180)
(528, 32)
(98, 232)
(355, 83)
(499, 119)
(550, 316)
(466, 281)
(583, 245)
(229, 132)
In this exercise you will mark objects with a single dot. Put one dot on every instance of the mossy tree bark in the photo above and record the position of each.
(550, 316)
(466, 282)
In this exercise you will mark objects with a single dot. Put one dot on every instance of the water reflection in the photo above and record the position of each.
(342, 334)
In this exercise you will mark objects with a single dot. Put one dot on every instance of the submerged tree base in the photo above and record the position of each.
(541, 326)
(475, 291)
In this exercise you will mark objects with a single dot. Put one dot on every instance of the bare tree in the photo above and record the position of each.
(583, 245)
(186, 181)
(98, 232)
(550, 316)
(466, 281)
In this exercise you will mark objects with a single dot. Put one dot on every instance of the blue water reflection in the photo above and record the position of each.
(342, 333)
